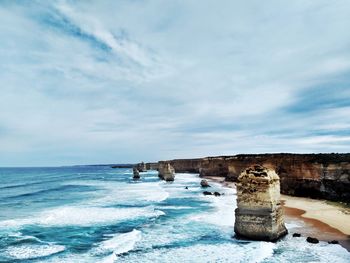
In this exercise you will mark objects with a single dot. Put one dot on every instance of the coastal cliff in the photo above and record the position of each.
(311, 175)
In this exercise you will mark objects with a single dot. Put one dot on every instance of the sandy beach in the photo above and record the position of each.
(322, 219)
(336, 216)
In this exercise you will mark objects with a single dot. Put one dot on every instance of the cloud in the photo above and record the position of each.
(123, 81)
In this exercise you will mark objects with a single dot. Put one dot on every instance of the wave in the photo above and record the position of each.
(175, 207)
(137, 193)
(23, 239)
(118, 244)
(253, 252)
(52, 190)
(29, 184)
(52, 179)
(32, 251)
(82, 216)
(224, 209)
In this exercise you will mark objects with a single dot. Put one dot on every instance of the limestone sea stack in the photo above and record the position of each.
(136, 173)
(259, 215)
(166, 171)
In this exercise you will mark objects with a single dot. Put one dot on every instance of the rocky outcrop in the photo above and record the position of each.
(166, 171)
(259, 214)
(312, 240)
(204, 183)
(136, 174)
(311, 175)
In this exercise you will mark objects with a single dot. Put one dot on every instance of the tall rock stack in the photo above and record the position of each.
(136, 174)
(166, 171)
(259, 214)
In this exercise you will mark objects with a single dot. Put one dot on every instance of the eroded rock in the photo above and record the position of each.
(325, 176)
(312, 240)
(166, 171)
(259, 214)
(204, 183)
(136, 174)
(333, 242)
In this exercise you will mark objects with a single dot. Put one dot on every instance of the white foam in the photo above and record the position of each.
(21, 237)
(118, 244)
(174, 207)
(123, 193)
(228, 252)
(224, 206)
(33, 251)
(83, 216)
(292, 225)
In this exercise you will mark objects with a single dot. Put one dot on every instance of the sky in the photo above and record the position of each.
(121, 81)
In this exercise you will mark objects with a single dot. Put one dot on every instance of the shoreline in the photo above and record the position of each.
(324, 220)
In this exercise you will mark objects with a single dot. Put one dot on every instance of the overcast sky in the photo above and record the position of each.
(85, 82)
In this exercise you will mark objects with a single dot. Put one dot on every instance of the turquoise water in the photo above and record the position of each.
(99, 214)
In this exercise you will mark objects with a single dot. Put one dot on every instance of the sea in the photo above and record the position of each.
(100, 214)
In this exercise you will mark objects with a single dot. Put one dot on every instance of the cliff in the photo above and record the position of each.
(311, 175)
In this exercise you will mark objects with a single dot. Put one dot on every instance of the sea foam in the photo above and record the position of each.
(229, 252)
(82, 216)
(223, 206)
(31, 251)
(118, 244)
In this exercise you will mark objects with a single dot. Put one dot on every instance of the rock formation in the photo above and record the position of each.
(312, 240)
(259, 214)
(166, 171)
(311, 175)
(204, 183)
(136, 173)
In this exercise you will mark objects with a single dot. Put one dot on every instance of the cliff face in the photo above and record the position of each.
(313, 175)
(186, 165)
(152, 166)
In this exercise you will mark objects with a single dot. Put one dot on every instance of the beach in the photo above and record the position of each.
(322, 219)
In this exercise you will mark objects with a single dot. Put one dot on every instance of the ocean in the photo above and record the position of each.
(100, 214)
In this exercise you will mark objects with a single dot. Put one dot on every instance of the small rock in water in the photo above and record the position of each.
(207, 193)
(217, 194)
(136, 174)
(312, 240)
(204, 183)
(296, 235)
(186, 187)
(333, 242)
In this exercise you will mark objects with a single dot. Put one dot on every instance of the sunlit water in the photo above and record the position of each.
(99, 214)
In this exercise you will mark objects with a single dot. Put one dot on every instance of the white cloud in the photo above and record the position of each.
(121, 81)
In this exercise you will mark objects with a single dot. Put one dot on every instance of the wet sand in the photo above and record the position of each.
(312, 216)
(314, 227)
